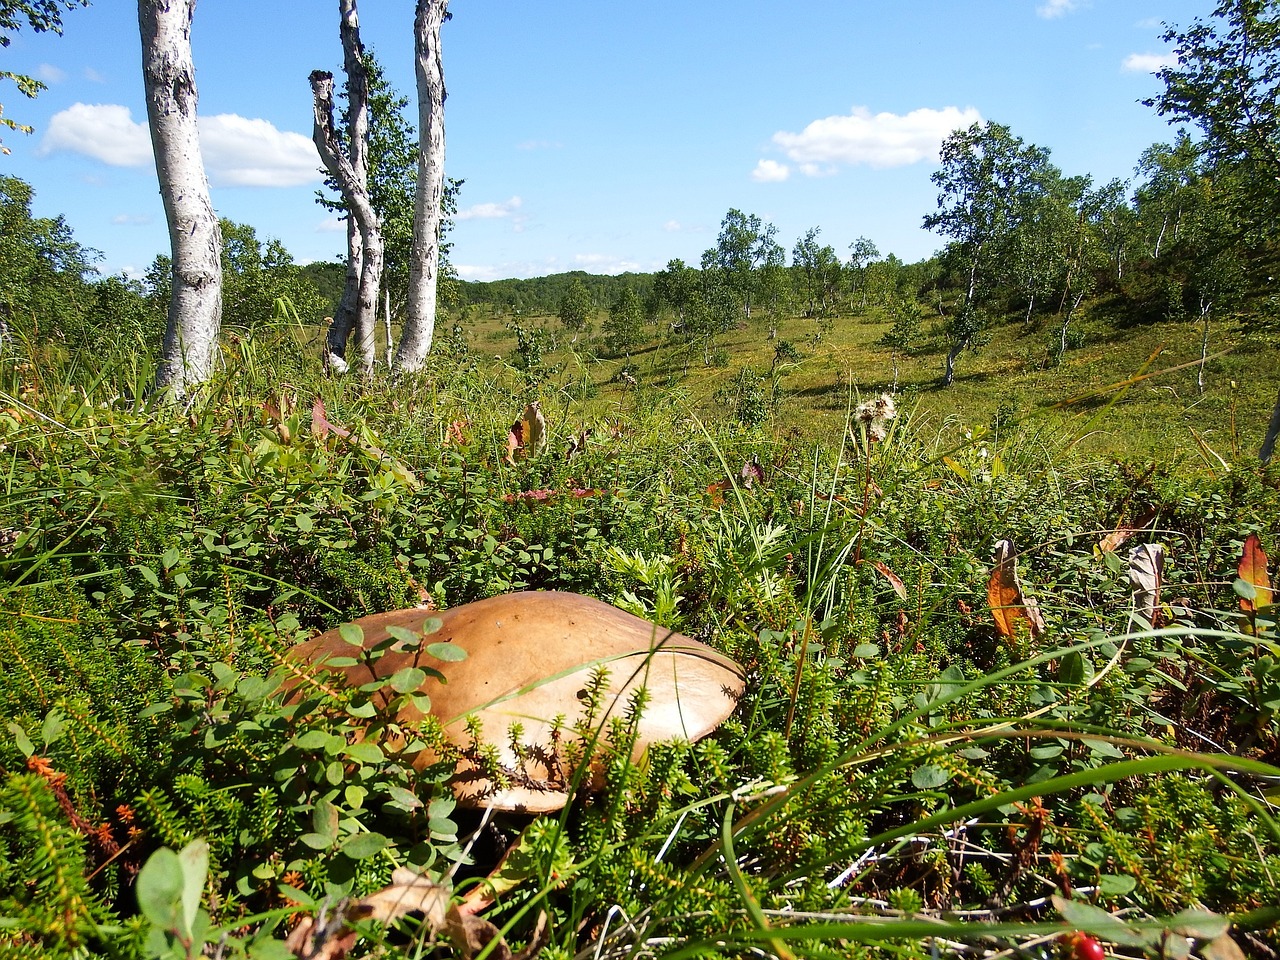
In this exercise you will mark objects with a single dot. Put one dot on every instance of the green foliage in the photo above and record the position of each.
(163, 565)
(43, 272)
(1226, 81)
(575, 307)
(623, 329)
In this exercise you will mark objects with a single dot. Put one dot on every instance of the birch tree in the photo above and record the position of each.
(195, 300)
(424, 266)
(987, 178)
(348, 165)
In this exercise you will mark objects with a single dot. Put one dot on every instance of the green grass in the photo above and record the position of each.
(1013, 378)
(899, 777)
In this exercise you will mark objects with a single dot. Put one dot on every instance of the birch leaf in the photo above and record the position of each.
(1146, 573)
(894, 580)
(1008, 602)
(1253, 570)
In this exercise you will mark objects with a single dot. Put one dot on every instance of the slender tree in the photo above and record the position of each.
(862, 253)
(424, 267)
(1169, 173)
(347, 161)
(195, 300)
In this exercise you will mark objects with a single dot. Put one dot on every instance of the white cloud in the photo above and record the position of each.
(770, 171)
(131, 219)
(1051, 9)
(93, 76)
(468, 271)
(242, 152)
(1148, 62)
(539, 145)
(672, 226)
(238, 151)
(604, 263)
(104, 131)
(331, 225)
(879, 140)
(48, 73)
(491, 211)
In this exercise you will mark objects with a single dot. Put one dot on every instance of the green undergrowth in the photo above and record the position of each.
(900, 775)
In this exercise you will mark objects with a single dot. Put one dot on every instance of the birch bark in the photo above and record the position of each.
(359, 207)
(195, 303)
(348, 164)
(424, 265)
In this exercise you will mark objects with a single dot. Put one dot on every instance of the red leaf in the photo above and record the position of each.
(1253, 569)
(319, 422)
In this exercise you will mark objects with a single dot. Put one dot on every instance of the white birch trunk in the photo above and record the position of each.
(195, 304)
(359, 207)
(424, 264)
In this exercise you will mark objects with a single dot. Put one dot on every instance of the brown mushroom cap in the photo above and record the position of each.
(529, 659)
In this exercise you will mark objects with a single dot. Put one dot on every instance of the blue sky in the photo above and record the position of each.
(601, 135)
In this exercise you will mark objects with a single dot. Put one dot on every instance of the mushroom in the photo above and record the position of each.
(529, 659)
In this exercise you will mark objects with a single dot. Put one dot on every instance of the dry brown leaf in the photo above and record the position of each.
(455, 435)
(408, 892)
(515, 441)
(895, 581)
(577, 443)
(1117, 537)
(1146, 573)
(470, 935)
(528, 435)
(322, 427)
(1253, 569)
(1008, 602)
(1222, 948)
(535, 430)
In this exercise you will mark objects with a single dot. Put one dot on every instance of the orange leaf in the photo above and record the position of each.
(1117, 537)
(1004, 594)
(716, 491)
(515, 440)
(1253, 569)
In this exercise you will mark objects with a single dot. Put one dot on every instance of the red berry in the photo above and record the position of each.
(1081, 946)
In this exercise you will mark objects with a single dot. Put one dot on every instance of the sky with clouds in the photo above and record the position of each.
(602, 136)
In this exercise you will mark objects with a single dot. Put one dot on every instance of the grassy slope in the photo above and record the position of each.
(1013, 377)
